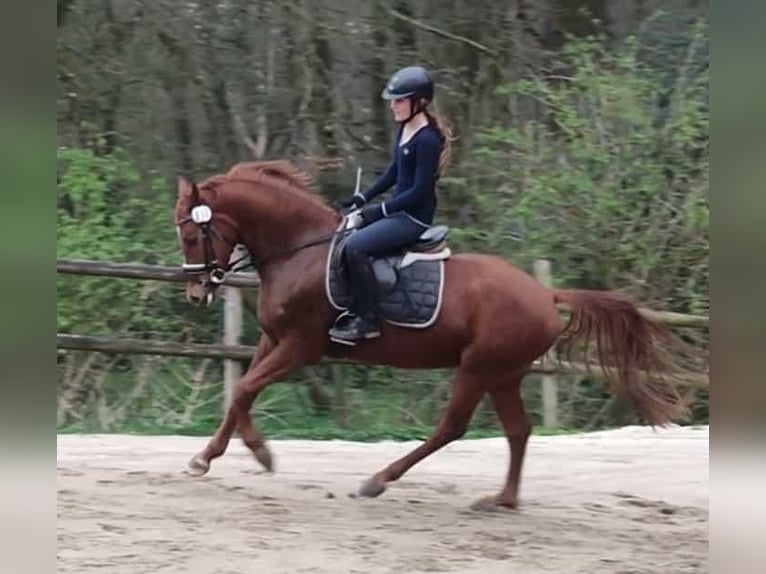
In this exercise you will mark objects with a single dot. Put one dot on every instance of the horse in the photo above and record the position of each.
(495, 320)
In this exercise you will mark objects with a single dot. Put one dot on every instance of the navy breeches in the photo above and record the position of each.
(383, 236)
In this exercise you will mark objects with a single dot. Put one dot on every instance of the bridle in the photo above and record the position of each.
(202, 216)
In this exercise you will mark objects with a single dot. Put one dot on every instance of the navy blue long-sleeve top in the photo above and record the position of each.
(413, 170)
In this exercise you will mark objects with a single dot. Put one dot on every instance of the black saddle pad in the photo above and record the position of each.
(410, 296)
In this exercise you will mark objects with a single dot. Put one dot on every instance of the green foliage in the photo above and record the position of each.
(104, 212)
(150, 395)
(610, 181)
(108, 211)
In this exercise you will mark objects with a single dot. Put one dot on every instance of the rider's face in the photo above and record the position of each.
(400, 108)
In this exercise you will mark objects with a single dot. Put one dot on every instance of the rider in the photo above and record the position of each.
(421, 152)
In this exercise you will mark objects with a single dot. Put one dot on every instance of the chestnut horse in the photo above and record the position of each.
(495, 320)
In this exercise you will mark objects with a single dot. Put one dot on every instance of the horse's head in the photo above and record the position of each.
(207, 238)
(267, 206)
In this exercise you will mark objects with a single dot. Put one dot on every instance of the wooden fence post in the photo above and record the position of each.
(232, 333)
(542, 272)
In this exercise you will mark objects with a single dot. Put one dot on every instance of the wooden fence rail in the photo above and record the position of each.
(174, 274)
(143, 271)
(245, 353)
(149, 347)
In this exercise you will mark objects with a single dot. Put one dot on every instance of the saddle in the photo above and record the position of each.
(410, 281)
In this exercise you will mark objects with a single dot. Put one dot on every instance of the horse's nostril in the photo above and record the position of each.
(194, 299)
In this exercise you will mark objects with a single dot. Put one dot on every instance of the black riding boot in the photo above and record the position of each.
(363, 323)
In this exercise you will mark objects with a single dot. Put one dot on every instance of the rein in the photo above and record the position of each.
(294, 249)
(203, 219)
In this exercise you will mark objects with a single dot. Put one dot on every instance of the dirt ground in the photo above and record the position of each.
(632, 500)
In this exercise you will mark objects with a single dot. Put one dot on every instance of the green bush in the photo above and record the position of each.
(610, 181)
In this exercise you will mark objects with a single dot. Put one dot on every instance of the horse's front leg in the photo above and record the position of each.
(270, 363)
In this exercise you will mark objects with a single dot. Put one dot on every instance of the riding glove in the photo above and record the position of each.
(355, 201)
(371, 213)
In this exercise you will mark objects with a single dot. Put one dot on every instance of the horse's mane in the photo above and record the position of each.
(282, 174)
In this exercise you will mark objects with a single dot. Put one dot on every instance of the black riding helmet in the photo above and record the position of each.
(413, 82)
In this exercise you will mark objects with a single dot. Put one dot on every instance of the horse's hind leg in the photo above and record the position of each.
(506, 398)
(466, 393)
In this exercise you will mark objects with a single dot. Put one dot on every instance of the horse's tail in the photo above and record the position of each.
(634, 352)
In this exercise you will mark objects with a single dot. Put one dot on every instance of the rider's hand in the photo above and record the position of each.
(371, 213)
(355, 202)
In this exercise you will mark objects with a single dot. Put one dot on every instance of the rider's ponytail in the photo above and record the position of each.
(441, 124)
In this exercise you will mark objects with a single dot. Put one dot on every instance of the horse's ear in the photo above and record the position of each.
(187, 189)
(184, 187)
(195, 194)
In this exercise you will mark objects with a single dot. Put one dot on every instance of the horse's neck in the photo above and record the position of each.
(275, 227)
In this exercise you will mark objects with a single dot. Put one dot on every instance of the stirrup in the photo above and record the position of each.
(346, 330)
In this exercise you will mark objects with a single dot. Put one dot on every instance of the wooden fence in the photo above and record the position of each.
(232, 352)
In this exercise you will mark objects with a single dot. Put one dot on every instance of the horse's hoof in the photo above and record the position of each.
(198, 467)
(372, 488)
(492, 504)
(263, 455)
